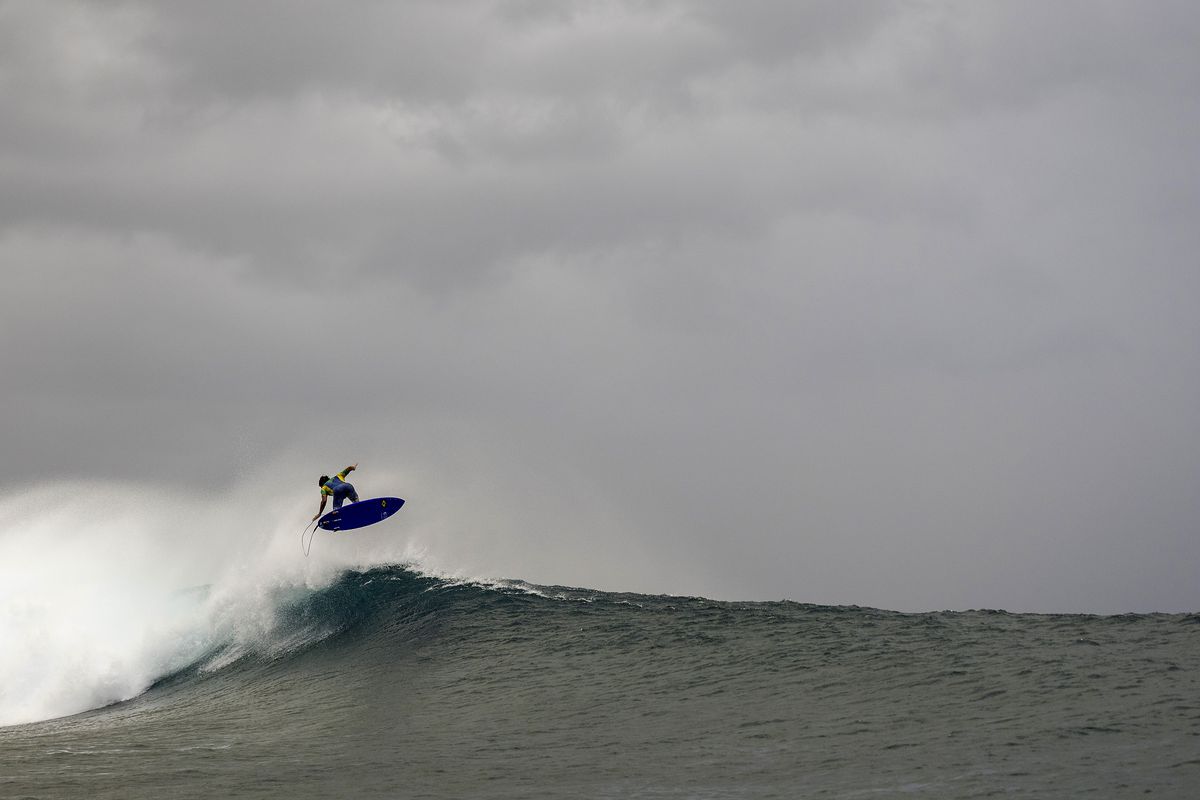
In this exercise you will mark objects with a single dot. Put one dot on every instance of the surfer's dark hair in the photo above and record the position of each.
(324, 480)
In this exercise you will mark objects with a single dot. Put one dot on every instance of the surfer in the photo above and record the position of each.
(337, 488)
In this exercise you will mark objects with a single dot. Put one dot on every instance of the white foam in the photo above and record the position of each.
(95, 602)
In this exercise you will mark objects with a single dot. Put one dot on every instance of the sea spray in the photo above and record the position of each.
(103, 591)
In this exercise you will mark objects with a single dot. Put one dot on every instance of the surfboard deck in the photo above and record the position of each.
(360, 514)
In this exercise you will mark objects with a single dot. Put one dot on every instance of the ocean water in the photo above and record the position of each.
(388, 683)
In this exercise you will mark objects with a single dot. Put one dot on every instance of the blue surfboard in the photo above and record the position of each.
(360, 514)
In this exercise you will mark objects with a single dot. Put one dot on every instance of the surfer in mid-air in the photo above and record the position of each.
(337, 488)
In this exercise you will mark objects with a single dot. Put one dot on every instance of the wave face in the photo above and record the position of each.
(388, 683)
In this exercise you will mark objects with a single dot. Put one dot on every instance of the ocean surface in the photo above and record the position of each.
(392, 684)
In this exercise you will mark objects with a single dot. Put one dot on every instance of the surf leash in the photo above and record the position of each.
(307, 548)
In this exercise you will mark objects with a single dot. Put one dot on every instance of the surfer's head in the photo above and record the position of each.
(324, 480)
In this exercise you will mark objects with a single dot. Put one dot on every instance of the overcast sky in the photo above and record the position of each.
(884, 303)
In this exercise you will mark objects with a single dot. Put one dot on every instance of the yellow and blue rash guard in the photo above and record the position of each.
(333, 483)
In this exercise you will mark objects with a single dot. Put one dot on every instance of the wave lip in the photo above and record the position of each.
(115, 650)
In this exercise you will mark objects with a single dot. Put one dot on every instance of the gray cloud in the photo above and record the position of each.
(887, 304)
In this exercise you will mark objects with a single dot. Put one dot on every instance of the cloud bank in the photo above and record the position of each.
(878, 303)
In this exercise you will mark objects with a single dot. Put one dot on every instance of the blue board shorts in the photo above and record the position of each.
(342, 492)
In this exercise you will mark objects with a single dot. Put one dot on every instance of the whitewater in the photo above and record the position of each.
(136, 663)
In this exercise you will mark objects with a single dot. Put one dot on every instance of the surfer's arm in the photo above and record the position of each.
(342, 475)
(321, 510)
